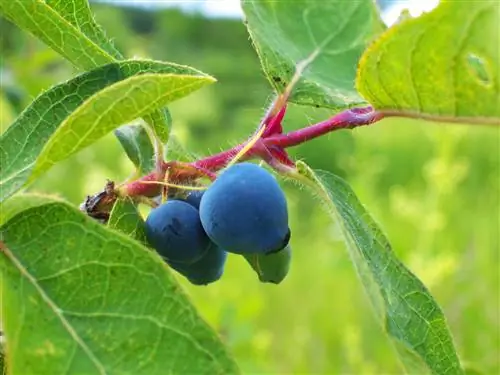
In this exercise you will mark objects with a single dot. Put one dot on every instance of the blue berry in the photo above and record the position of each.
(206, 270)
(244, 211)
(174, 230)
(194, 198)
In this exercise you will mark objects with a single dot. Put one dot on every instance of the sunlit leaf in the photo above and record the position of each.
(65, 26)
(68, 27)
(79, 15)
(442, 65)
(79, 298)
(77, 113)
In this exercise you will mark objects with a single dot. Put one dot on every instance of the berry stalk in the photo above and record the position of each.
(270, 148)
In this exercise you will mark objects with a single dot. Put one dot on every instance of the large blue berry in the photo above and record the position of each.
(174, 230)
(244, 211)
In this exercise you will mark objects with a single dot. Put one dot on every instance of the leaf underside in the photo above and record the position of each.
(285, 33)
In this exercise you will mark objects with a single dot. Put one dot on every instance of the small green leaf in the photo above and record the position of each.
(271, 268)
(285, 33)
(137, 145)
(79, 298)
(444, 65)
(125, 217)
(76, 113)
(160, 122)
(410, 315)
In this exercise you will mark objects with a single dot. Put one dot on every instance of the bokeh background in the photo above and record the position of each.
(434, 189)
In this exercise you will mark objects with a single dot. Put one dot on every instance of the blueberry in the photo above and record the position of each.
(174, 230)
(244, 211)
(206, 270)
(194, 198)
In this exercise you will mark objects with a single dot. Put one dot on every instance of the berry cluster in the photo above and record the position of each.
(243, 211)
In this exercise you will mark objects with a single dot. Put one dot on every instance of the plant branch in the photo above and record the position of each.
(349, 119)
(270, 148)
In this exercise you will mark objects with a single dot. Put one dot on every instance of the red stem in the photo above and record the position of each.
(271, 145)
(349, 119)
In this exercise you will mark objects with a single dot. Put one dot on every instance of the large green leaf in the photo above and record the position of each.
(285, 33)
(410, 315)
(79, 298)
(76, 113)
(443, 65)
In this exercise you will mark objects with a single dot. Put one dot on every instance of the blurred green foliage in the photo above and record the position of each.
(434, 189)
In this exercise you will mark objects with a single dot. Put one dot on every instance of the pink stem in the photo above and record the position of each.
(345, 120)
(273, 124)
(271, 146)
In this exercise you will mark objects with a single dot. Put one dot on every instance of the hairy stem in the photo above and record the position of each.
(349, 119)
(270, 148)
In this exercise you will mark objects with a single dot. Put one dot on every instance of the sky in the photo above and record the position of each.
(232, 9)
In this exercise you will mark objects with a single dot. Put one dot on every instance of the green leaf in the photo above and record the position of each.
(415, 69)
(125, 217)
(65, 26)
(78, 14)
(22, 202)
(336, 32)
(137, 145)
(271, 268)
(410, 315)
(160, 122)
(76, 113)
(79, 298)
(68, 27)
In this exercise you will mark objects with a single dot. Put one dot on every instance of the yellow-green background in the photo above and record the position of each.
(433, 188)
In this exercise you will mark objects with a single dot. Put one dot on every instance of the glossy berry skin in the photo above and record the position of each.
(244, 211)
(174, 230)
(206, 270)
